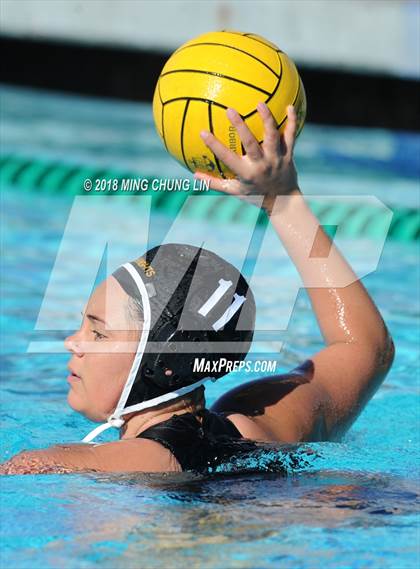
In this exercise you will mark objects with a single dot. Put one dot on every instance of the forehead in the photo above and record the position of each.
(109, 302)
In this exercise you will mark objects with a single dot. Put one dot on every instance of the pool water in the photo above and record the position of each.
(353, 504)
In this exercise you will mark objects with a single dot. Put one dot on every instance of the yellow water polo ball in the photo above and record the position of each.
(215, 71)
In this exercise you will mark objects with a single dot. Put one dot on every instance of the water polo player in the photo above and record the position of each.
(176, 296)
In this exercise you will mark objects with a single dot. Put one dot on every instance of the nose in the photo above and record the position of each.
(72, 344)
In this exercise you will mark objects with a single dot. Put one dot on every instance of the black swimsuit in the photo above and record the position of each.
(198, 447)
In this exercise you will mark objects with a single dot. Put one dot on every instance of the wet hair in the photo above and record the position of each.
(135, 312)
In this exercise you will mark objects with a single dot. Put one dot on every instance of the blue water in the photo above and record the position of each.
(354, 505)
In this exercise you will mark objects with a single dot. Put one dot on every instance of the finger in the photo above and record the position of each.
(289, 134)
(214, 183)
(218, 184)
(231, 159)
(249, 142)
(271, 142)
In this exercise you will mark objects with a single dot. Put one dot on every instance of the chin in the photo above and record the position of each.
(74, 401)
(79, 405)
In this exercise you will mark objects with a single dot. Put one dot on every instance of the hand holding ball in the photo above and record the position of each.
(208, 75)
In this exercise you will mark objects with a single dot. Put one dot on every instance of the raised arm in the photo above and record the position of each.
(338, 381)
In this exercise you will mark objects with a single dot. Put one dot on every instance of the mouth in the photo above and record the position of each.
(73, 376)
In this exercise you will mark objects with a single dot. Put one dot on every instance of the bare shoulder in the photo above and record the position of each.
(131, 455)
(250, 429)
(284, 408)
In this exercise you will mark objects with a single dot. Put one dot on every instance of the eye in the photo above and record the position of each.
(98, 335)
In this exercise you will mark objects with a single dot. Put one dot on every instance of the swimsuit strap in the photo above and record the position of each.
(216, 424)
(195, 445)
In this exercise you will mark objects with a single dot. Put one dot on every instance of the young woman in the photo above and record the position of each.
(131, 361)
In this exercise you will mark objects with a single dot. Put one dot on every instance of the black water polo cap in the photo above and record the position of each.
(194, 305)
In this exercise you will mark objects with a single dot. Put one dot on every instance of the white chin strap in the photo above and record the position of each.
(118, 422)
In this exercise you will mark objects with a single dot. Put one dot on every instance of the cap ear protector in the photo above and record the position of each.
(192, 301)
